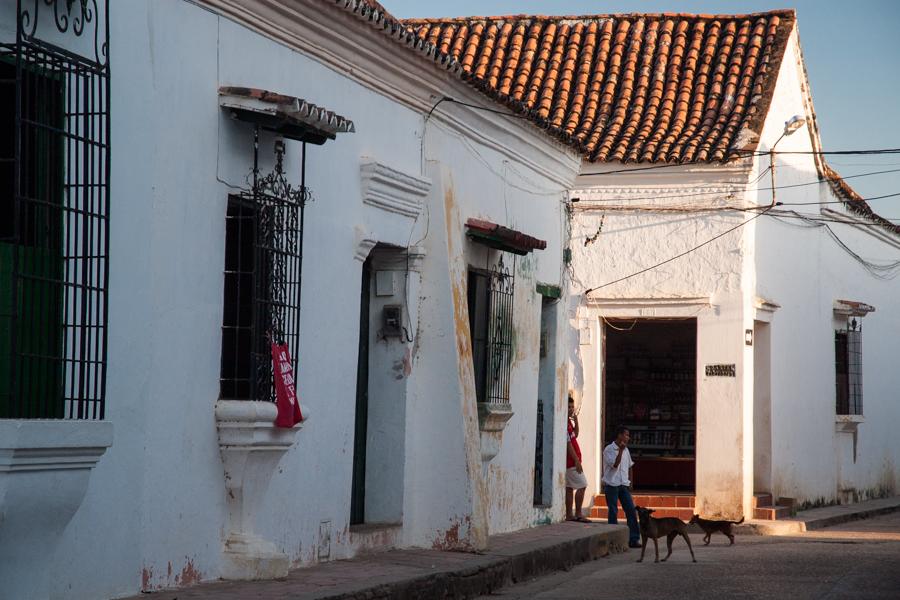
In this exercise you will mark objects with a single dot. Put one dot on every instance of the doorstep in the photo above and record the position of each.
(425, 574)
(817, 518)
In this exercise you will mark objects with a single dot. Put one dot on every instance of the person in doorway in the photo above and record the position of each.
(576, 482)
(617, 466)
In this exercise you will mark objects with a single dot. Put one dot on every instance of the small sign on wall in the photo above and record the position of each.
(720, 371)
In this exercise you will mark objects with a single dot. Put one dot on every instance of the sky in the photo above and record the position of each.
(852, 54)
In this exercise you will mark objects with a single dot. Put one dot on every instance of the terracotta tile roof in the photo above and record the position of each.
(503, 238)
(665, 87)
(853, 201)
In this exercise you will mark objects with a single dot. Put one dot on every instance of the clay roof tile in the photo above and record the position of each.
(664, 87)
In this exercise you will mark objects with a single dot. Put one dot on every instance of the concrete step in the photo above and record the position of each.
(762, 499)
(771, 513)
(818, 518)
(685, 514)
(654, 500)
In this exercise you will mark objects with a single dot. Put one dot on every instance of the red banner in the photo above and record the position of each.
(285, 391)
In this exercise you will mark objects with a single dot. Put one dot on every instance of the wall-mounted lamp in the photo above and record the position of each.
(748, 337)
(792, 125)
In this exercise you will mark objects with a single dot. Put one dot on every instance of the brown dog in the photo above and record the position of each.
(709, 527)
(653, 528)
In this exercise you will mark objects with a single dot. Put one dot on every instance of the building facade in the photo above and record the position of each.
(721, 270)
(740, 365)
(267, 172)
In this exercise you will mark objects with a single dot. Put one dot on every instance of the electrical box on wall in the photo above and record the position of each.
(384, 283)
(391, 321)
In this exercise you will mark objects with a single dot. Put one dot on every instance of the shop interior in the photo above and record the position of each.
(650, 371)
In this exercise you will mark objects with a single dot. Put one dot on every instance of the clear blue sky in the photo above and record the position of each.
(852, 53)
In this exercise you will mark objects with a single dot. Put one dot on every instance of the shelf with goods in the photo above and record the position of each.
(655, 397)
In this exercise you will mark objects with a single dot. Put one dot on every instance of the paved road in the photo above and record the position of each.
(859, 560)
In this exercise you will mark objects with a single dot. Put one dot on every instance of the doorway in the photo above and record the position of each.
(650, 371)
(379, 437)
(544, 423)
(762, 408)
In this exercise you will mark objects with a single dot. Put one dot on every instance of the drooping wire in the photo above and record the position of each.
(676, 257)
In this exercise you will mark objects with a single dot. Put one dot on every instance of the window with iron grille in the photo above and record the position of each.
(490, 303)
(54, 206)
(263, 259)
(848, 369)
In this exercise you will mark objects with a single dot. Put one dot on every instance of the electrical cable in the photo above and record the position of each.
(709, 241)
(629, 328)
(842, 201)
(880, 271)
(777, 187)
(708, 209)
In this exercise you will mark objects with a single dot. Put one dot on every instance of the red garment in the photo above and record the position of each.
(570, 462)
(285, 393)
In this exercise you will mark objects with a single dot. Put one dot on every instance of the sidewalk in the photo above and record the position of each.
(413, 574)
(817, 518)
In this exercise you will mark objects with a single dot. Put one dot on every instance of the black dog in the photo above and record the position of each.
(653, 528)
(709, 527)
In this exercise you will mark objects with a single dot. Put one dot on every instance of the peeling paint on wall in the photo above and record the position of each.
(189, 575)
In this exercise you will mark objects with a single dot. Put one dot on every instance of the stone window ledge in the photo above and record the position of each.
(45, 466)
(848, 423)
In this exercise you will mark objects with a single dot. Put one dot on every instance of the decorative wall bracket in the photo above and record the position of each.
(391, 190)
(492, 420)
(251, 447)
(45, 466)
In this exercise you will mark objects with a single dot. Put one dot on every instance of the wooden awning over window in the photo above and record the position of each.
(502, 238)
(294, 118)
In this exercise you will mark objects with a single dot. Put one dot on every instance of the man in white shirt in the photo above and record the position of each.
(617, 465)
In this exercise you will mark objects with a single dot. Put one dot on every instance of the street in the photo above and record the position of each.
(856, 560)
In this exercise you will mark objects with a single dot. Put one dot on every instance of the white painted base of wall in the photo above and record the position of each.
(45, 466)
(250, 557)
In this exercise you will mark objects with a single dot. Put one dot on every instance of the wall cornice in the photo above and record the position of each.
(586, 194)
(381, 62)
(391, 190)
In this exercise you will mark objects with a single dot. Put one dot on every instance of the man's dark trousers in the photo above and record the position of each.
(614, 495)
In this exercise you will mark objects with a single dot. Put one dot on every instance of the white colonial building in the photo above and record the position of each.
(446, 221)
(185, 182)
(723, 274)
(752, 359)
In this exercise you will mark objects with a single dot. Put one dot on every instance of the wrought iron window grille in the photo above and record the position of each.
(848, 369)
(263, 271)
(54, 211)
(490, 300)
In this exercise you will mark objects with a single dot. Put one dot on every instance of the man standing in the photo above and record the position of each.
(576, 482)
(617, 465)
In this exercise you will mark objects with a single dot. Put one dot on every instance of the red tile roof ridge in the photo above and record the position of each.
(782, 12)
(853, 201)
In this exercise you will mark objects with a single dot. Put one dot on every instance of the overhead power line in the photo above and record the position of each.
(708, 209)
(742, 189)
(514, 115)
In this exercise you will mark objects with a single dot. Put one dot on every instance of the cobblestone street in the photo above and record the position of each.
(854, 560)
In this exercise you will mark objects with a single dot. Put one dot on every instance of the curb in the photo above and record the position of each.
(798, 524)
(495, 570)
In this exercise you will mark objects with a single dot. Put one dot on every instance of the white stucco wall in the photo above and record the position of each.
(804, 270)
(155, 509)
(707, 284)
(723, 285)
